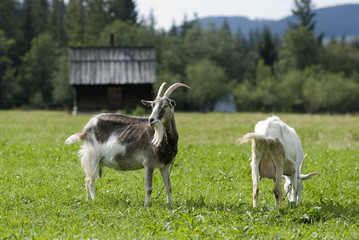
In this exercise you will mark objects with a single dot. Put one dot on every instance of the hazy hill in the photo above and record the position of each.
(333, 21)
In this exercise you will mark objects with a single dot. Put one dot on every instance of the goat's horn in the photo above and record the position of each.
(173, 87)
(160, 90)
(301, 165)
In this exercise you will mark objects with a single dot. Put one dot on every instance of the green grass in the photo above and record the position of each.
(42, 192)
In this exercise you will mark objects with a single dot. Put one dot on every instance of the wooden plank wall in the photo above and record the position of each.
(104, 66)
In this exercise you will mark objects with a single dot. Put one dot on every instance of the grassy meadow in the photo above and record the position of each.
(43, 196)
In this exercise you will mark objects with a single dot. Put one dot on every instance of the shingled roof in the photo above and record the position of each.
(112, 66)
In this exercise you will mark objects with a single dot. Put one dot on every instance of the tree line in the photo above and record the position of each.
(296, 73)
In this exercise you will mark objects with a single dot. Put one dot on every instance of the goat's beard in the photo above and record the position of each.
(158, 136)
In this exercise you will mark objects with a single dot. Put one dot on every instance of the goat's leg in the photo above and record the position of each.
(148, 183)
(278, 161)
(90, 163)
(90, 188)
(256, 158)
(90, 185)
(278, 185)
(277, 190)
(255, 171)
(166, 180)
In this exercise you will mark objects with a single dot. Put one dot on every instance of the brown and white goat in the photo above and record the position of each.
(128, 143)
(277, 153)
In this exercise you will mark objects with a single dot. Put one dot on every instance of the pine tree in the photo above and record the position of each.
(75, 23)
(300, 47)
(27, 28)
(124, 10)
(151, 21)
(96, 19)
(34, 21)
(9, 20)
(41, 15)
(187, 25)
(173, 30)
(57, 21)
(267, 48)
(8, 81)
(303, 10)
(225, 27)
(10, 25)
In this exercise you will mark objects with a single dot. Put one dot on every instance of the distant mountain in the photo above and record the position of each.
(335, 21)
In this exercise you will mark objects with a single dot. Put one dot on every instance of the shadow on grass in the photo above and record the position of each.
(304, 213)
(327, 210)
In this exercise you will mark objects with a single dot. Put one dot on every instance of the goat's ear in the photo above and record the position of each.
(308, 176)
(172, 103)
(147, 103)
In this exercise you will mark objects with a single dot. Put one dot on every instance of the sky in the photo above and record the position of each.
(167, 12)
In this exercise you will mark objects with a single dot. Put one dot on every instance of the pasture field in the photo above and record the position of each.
(43, 196)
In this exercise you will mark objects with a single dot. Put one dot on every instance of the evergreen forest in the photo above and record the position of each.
(295, 73)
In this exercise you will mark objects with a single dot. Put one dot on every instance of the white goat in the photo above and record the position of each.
(277, 153)
(128, 143)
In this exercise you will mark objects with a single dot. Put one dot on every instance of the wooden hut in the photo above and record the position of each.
(111, 78)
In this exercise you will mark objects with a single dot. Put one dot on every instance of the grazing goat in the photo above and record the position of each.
(277, 153)
(128, 143)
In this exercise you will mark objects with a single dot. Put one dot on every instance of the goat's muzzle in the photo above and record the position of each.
(152, 122)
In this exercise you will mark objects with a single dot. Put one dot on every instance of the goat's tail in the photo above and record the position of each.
(72, 139)
(255, 136)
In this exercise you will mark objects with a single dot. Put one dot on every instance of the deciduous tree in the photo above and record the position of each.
(209, 84)
(39, 64)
